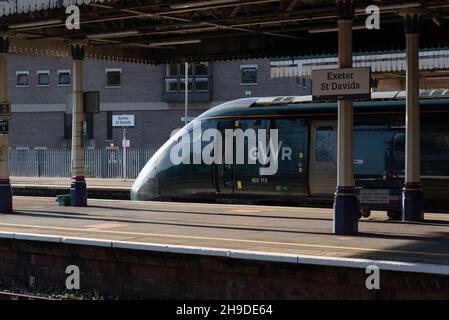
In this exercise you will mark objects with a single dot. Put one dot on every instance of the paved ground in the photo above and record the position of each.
(241, 227)
(65, 182)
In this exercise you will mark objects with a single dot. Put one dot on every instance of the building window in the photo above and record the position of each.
(64, 77)
(43, 78)
(22, 78)
(301, 82)
(198, 77)
(113, 78)
(249, 74)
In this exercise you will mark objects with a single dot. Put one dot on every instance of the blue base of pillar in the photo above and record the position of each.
(346, 211)
(5, 198)
(412, 203)
(78, 192)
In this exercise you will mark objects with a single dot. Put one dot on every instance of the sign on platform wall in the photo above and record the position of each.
(126, 143)
(341, 84)
(4, 126)
(5, 111)
(123, 120)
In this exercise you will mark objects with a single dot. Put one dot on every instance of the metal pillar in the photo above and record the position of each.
(78, 192)
(412, 196)
(346, 203)
(5, 184)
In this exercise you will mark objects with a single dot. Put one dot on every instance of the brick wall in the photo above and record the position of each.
(143, 274)
(38, 111)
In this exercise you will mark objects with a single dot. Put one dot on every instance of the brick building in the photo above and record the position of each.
(154, 94)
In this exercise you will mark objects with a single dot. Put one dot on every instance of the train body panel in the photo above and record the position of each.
(307, 157)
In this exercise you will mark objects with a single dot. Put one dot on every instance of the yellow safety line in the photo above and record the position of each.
(229, 240)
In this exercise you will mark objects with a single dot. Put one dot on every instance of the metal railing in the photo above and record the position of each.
(100, 163)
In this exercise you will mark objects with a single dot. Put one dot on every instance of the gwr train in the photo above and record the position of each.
(307, 173)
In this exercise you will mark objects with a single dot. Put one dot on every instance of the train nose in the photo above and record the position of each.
(146, 189)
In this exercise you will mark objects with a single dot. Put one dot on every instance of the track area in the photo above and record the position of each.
(305, 231)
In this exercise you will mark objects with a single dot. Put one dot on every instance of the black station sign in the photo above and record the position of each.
(5, 110)
(4, 126)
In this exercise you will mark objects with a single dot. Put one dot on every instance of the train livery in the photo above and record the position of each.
(306, 171)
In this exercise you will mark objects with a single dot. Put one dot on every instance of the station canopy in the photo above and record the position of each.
(158, 31)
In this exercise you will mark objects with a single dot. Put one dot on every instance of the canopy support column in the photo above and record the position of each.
(78, 191)
(5, 184)
(346, 204)
(412, 196)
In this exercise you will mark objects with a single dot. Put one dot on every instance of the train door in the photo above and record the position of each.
(323, 158)
(225, 171)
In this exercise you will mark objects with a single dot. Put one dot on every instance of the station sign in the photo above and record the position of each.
(126, 143)
(189, 119)
(4, 127)
(341, 84)
(5, 111)
(124, 120)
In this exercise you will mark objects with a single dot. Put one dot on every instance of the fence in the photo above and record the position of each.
(100, 163)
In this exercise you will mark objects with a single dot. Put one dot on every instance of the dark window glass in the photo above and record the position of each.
(399, 147)
(201, 69)
(22, 79)
(249, 75)
(325, 143)
(90, 126)
(198, 74)
(435, 146)
(67, 126)
(172, 70)
(43, 79)
(182, 83)
(113, 78)
(201, 84)
(182, 69)
(109, 125)
(64, 78)
(171, 84)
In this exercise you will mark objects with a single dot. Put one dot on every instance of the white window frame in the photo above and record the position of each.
(39, 72)
(65, 71)
(245, 66)
(22, 148)
(106, 78)
(40, 149)
(28, 75)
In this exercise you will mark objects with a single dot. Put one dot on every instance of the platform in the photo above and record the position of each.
(285, 230)
(51, 187)
(165, 250)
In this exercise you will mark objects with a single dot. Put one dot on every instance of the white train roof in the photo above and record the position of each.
(385, 95)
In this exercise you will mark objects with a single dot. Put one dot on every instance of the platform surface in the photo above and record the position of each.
(306, 231)
(65, 182)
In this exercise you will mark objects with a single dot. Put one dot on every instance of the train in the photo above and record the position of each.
(306, 168)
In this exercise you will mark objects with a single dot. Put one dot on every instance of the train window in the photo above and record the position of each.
(324, 145)
(435, 146)
(399, 147)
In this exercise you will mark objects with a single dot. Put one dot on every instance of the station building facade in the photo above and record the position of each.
(39, 86)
